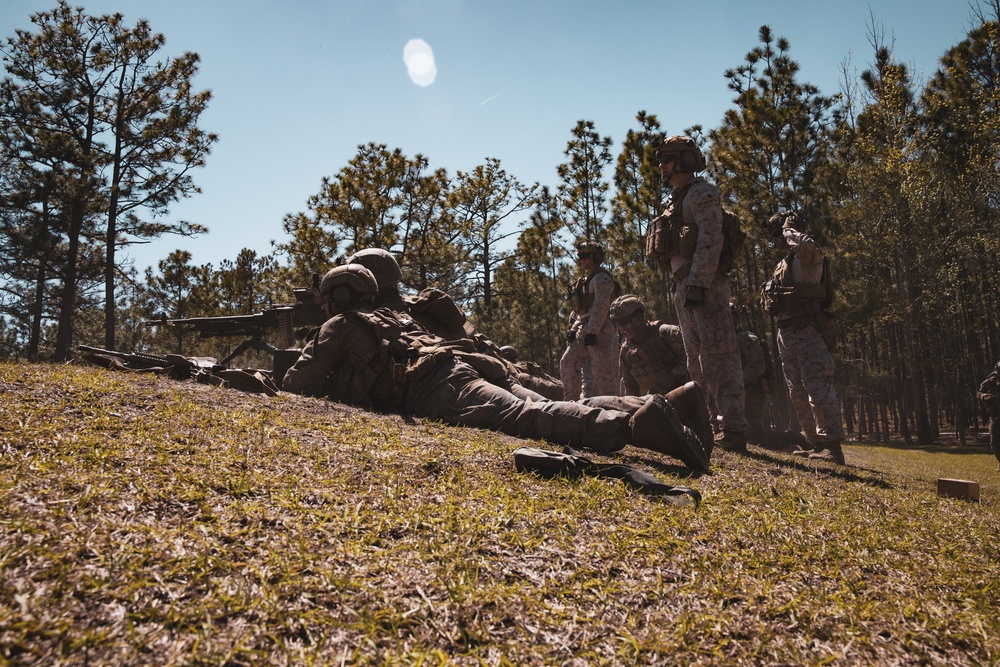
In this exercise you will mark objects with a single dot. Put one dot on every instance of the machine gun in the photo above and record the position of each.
(307, 311)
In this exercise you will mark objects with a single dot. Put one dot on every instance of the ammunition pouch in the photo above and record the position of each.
(668, 235)
(775, 299)
(657, 238)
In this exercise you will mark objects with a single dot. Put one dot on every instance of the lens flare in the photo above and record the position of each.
(419, 59)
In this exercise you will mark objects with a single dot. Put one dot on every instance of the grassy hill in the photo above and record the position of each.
(149, 521)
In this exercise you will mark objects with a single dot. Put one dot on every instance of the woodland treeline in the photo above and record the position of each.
(896, 178)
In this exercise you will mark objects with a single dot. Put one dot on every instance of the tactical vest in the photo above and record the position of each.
(787, 300)
(410, 353)
(353, 381)
(673, 233)
(583, 298)
(652, 362)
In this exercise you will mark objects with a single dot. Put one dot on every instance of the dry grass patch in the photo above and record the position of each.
(145, 520)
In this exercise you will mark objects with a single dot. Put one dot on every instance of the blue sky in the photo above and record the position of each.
(299, 84)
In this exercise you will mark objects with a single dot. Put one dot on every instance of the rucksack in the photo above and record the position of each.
(733, 240)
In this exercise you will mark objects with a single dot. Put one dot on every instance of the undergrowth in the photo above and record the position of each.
(144, 521)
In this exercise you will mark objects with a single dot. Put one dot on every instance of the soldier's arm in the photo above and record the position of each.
(629, 387)
(604, 286)
(323, 354)
(806, 250)
(672, 335)
(705, 207)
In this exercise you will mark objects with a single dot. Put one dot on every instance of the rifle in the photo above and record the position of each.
(307, 311)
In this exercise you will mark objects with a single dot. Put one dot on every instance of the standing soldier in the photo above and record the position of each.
(796, 296)
(652, 357)
(689, 250)
(989, 397)
(589, 366)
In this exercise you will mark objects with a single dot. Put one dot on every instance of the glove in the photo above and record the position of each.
(694, 296)
(571, 335)
(590, 339)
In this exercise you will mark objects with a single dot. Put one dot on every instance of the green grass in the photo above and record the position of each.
(147, 521)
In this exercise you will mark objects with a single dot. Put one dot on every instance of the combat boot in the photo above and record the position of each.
(804, 449)
(689, 403)
(732, 441)
(829, 451)
(655, 426)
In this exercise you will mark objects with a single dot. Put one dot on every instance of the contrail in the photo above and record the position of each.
(490, 99)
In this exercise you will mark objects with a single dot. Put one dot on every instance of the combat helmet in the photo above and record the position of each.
(595, 249)
(686, 155)
(625, 307)
(347, 285)
(509, 352)
(381, 263)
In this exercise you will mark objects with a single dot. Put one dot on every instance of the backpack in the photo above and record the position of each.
(664, 233)
(733, 240)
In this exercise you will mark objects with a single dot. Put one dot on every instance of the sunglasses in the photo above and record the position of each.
(665, 158)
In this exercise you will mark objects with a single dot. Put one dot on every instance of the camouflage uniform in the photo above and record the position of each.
(989, 397)
(436, 312)
(654, 365)
(602, 357)
(362, 357)
(709, 336)
(754, 368)
(806, 359)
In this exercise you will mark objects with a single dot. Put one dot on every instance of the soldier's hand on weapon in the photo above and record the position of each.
(694, 296)
(590, 339)
(571, 335)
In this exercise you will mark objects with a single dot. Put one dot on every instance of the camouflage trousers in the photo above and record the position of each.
(591, 370)
(755, 408)
(713, 355)
(808, 367)
(456, 394)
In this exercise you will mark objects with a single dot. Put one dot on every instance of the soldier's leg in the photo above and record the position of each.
(687, 400)
(816, 366)
(994, 431)
(720, 355)
(481, 404)
(627, 404)
(604, 363)
(753, 401)
(571, 368)
(692, 342)
(656, 426)
(588, 386)
(797, 394)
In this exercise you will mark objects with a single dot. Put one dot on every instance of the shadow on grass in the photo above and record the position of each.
(933, 447)
(847, 473)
